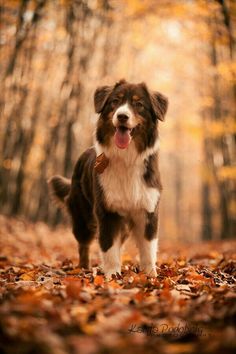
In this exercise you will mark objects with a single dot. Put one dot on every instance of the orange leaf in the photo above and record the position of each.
(195, 276)
(73, 287)
(140, 278)
(166, 283)
(113, 284)
(140, 296)
(99, 280)
(166, 294)
(74, 271)
(28, 276)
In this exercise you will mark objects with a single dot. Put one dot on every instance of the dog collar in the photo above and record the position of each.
(101, 163)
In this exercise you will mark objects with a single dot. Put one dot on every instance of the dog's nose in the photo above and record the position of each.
(122, 118)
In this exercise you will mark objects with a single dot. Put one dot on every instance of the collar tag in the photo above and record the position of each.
(101, 163)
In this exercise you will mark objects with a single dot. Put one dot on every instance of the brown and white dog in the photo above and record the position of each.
(115, 188)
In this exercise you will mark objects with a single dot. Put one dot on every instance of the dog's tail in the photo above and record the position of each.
(59, 187)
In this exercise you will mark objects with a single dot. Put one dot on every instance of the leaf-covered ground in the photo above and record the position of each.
(49, 305)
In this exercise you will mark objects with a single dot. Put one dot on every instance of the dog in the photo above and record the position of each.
(115, 188)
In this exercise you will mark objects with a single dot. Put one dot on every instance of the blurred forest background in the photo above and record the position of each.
(54, 54)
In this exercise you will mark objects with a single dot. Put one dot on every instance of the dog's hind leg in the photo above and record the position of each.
(83, 224)
(84, 236)
(83, 255)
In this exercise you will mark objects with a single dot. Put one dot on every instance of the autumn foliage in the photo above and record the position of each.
(49, 305)
(54, 54)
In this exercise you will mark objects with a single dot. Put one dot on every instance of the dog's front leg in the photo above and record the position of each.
(110, 243)
(111, 259)
(148, 255)
(145, 232)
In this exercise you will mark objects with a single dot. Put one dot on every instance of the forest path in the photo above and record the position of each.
(49, 305)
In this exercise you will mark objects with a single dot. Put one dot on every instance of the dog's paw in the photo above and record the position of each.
(149, 270)
(152, 273)
(109, 273)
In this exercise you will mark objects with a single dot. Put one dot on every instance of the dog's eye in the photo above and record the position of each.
(138, 105)
(115, 101)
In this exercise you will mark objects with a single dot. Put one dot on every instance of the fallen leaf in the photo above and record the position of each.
(99, 280)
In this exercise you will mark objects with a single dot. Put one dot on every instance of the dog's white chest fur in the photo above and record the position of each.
(123, 183)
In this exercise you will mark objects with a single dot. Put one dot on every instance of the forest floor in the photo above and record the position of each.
(50, 306)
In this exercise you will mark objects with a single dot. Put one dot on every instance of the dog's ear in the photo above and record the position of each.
(121, 82)
(159, 104)
(100, 97)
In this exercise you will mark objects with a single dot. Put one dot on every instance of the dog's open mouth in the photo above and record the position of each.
(122, 137)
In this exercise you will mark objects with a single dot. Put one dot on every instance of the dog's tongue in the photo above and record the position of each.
(122, 138)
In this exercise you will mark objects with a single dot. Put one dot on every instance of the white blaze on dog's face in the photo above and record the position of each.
(124, 111)
(128, 112)
(124, 120)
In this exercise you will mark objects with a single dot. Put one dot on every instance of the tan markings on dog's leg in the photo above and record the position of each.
(111, 258)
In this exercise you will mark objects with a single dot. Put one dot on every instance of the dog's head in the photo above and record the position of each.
(128, 112)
